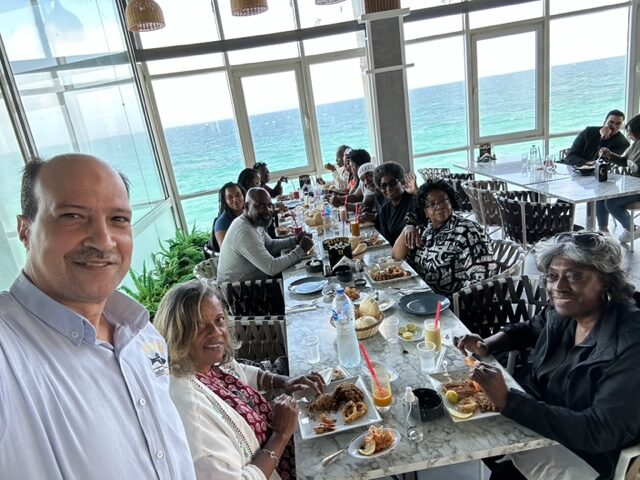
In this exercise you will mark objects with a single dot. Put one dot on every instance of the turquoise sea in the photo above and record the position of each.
(205, 156)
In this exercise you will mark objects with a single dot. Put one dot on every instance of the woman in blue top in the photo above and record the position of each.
(231, 206)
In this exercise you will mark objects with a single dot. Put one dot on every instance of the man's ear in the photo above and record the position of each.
(24, 230)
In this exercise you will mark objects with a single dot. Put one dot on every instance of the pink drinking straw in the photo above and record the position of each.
(373, 372)
(293, 216)
(356, 219)
(436, 324)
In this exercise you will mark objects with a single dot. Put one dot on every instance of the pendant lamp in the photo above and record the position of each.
(244, 8)
(144, 16)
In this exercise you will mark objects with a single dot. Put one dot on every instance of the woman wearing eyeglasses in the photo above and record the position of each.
(453, 251)
(616, 206)
(582, 381)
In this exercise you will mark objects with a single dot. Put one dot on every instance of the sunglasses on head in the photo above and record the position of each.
(347, 152)
(582, 239)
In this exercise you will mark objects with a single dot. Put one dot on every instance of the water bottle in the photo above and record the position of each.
(533, 151)
(326, 216)
(343, 315)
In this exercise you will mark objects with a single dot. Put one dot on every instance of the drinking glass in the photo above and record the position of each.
(390, 329)
(428, 355)
(312, 348)
(432, 334)
(382, 396)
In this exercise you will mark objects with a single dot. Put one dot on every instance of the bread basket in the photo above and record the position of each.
(366, 332)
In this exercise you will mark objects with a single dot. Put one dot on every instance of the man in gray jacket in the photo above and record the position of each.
(248, 252)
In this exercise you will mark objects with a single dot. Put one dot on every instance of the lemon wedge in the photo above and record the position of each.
(367, 448)
(452, 396)
(459, 415)
(407, 335)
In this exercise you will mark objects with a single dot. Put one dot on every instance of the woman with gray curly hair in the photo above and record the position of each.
(581, 384)
(233, 432)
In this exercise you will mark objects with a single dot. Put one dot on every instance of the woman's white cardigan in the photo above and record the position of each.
(222, 443)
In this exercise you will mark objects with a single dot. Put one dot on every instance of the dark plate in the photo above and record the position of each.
(585, 171)
(422, 303)
(308, 285)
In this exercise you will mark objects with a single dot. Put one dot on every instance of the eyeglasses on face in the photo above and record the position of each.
(347, 152)
(389, 185)
(582, 239)
(437, 203)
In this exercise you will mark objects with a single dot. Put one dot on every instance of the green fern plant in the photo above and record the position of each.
(172, 265)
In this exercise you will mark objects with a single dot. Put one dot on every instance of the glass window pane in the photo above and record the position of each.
(278, 18)
(437, 96)
(506, 68)
(512, 152)
(560, 6)
(312, 15)
(500, 15)
(275, 120)
(587, 76)
(560, 143)
(201, 211)
(341, 112)
(200, 130)
(431, 26)
(334, 43)
(188, 21)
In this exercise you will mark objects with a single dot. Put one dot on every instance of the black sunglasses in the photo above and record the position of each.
(582, 239)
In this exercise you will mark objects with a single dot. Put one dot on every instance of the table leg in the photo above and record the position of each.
(591, 216)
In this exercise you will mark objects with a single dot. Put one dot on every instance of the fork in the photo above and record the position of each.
(331, 457)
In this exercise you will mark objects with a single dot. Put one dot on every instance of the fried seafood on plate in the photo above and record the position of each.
(353, 411)
(346, 392)
(381, 437)
(323, 403)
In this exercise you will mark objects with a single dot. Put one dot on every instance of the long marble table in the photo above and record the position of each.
(571, 188)
(445, 442)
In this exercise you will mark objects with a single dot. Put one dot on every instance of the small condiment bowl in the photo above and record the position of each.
(430, 403)
(344, 274)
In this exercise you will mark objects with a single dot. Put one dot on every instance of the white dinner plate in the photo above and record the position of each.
(358, 441)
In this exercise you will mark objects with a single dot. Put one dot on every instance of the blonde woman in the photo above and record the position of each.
(233, 432)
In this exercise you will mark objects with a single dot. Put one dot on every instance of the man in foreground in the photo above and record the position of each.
(588, 143)
(84, 385)
(248, 252)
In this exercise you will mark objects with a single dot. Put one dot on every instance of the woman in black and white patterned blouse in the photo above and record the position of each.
(454, 251)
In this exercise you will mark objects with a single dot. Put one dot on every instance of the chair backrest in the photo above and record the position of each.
(526, 220)
(509, 258)
(433, 173)
(254, 297)
(487, 306)
(207, 270)
(562, 154)
(261, 338)
(483, 203)
(456, 180)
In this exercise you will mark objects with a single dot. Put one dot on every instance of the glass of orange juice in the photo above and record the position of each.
(432, 334)
(382, 396)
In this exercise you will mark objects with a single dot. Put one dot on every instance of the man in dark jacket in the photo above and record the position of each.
(587, 144)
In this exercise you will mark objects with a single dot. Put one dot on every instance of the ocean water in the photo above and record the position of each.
(205, 156)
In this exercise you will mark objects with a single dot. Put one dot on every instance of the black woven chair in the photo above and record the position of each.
(433, 173)
(483, 203)
(456, 180)
(261, 338)
(526, 219)
(254, 297)
(509, 258)
(487, 306)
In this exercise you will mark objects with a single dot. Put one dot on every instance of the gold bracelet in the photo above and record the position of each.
(272, 454)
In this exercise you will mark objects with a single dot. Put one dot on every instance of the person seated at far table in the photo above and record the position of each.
(265, 176)
(231, 201)
(232, 430)
(339, 172)
(248, 179)
(389, 178)
(355, 159)
(588, 143)
(453, 252)
(581, 382)
(616, 206)
(248, 252)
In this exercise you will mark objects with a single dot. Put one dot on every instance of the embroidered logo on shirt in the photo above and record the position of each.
(155, 352)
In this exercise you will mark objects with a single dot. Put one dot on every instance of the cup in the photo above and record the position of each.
(428, 355)
(432, 334)
(297, 230)
(344, 216)
(430, 404)
(296, 194)
(312, 348)
(355, 229)
(382, 396)
(390, 329)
